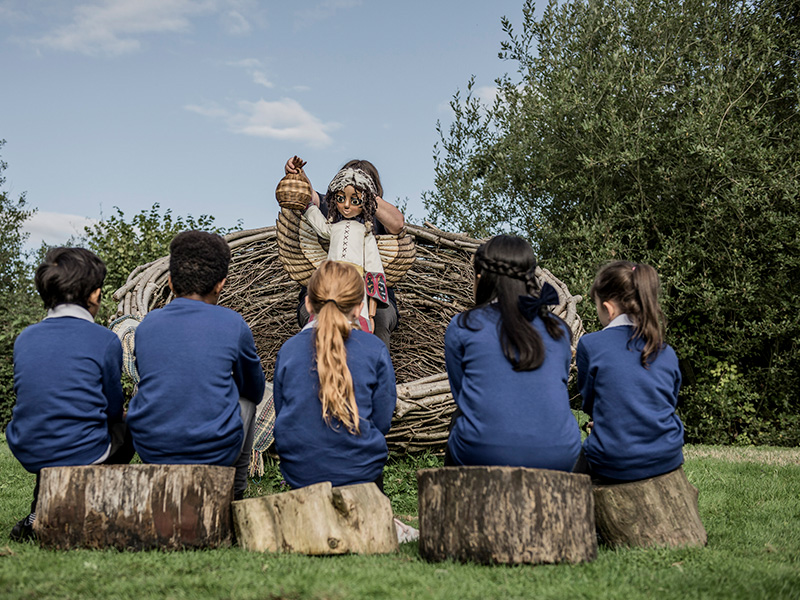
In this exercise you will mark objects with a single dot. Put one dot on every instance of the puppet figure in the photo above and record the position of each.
(349, 231)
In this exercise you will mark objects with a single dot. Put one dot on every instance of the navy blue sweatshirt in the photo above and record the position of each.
(67, 382)
(636, 432)
(312, 451)
(507, 417)
(195, 361)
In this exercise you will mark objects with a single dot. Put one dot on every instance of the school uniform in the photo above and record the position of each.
(312, 450)
(507, 417)
(636, 434)
(67, 382)
(196, 360)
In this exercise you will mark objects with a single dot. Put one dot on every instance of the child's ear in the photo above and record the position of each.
(612, 309)
(169, 283)
(219, 286)
(93, 301)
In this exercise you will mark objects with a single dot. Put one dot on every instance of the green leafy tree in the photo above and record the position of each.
(125, 245)
(661, 132)
(19, 303)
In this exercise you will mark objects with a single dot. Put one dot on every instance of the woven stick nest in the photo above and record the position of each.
(437, 286)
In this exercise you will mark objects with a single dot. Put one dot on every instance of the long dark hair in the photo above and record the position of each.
(635, 287)
(505, 270)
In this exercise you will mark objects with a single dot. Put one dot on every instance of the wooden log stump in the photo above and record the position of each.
(661, 511)
(507, 515)
(318, 519)
(135, 507)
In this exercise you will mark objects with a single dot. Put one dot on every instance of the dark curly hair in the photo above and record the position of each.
(198, 260)
(69, 276)
(506, 266)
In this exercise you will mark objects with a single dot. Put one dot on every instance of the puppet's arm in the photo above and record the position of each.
(318, 222)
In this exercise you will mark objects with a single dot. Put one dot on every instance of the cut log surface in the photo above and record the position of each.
(661, 511)
(507, 515)
(135, 507)
(318, 519)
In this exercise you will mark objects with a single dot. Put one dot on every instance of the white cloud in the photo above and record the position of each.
(486, 94)
(114, 27)
(54, 228)
(261, 79)
(254, 67)
(284, 119)
(235, 23)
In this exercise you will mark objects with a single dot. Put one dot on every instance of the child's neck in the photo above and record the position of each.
(211, 298)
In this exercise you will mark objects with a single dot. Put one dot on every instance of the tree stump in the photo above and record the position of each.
(135, 507)
(508, 515)
(661, 511)
(318, 519)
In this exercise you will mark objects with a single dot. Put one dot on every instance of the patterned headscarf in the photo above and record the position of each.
(355, 177)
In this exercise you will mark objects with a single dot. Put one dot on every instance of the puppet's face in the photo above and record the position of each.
(349, 202)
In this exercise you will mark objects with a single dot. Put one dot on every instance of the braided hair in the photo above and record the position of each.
(505, 269)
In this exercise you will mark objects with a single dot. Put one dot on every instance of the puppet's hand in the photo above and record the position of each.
(294, 165)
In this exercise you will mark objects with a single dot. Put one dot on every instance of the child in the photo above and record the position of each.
(508, 361)
(629, 380)
(334, 389)
(357, 194)
(201, 376)
(67, 377)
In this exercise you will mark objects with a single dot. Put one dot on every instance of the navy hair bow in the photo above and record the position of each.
(529, 306)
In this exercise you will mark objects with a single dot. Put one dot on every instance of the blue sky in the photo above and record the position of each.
(197, 104)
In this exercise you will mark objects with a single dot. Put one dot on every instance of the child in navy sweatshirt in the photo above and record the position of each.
(508, 361)
(201, 376)
(67, 377)
(629, 380)
(334, 389)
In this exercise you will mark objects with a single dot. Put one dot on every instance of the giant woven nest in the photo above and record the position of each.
(437, 286)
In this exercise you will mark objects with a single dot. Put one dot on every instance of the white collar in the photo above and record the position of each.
(69, 310)
(620, 321)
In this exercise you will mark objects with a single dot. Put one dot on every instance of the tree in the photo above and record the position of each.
(19, 304)
(124, 245)
(661, 132)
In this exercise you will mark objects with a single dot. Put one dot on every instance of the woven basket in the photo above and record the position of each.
(437, 286)
(293, 192)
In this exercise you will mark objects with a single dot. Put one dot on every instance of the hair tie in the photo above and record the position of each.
(529, 306)
(334, 301)
(633, 268)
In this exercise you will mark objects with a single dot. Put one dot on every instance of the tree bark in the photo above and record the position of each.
(135, 507)
(507, 515)
(661, 511)
(318, 519)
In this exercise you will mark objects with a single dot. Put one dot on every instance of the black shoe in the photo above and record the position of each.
(22, 531)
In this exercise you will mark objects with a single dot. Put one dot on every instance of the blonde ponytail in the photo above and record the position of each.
(334, 291)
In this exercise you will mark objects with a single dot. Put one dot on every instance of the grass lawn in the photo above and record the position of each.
(749, 503)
